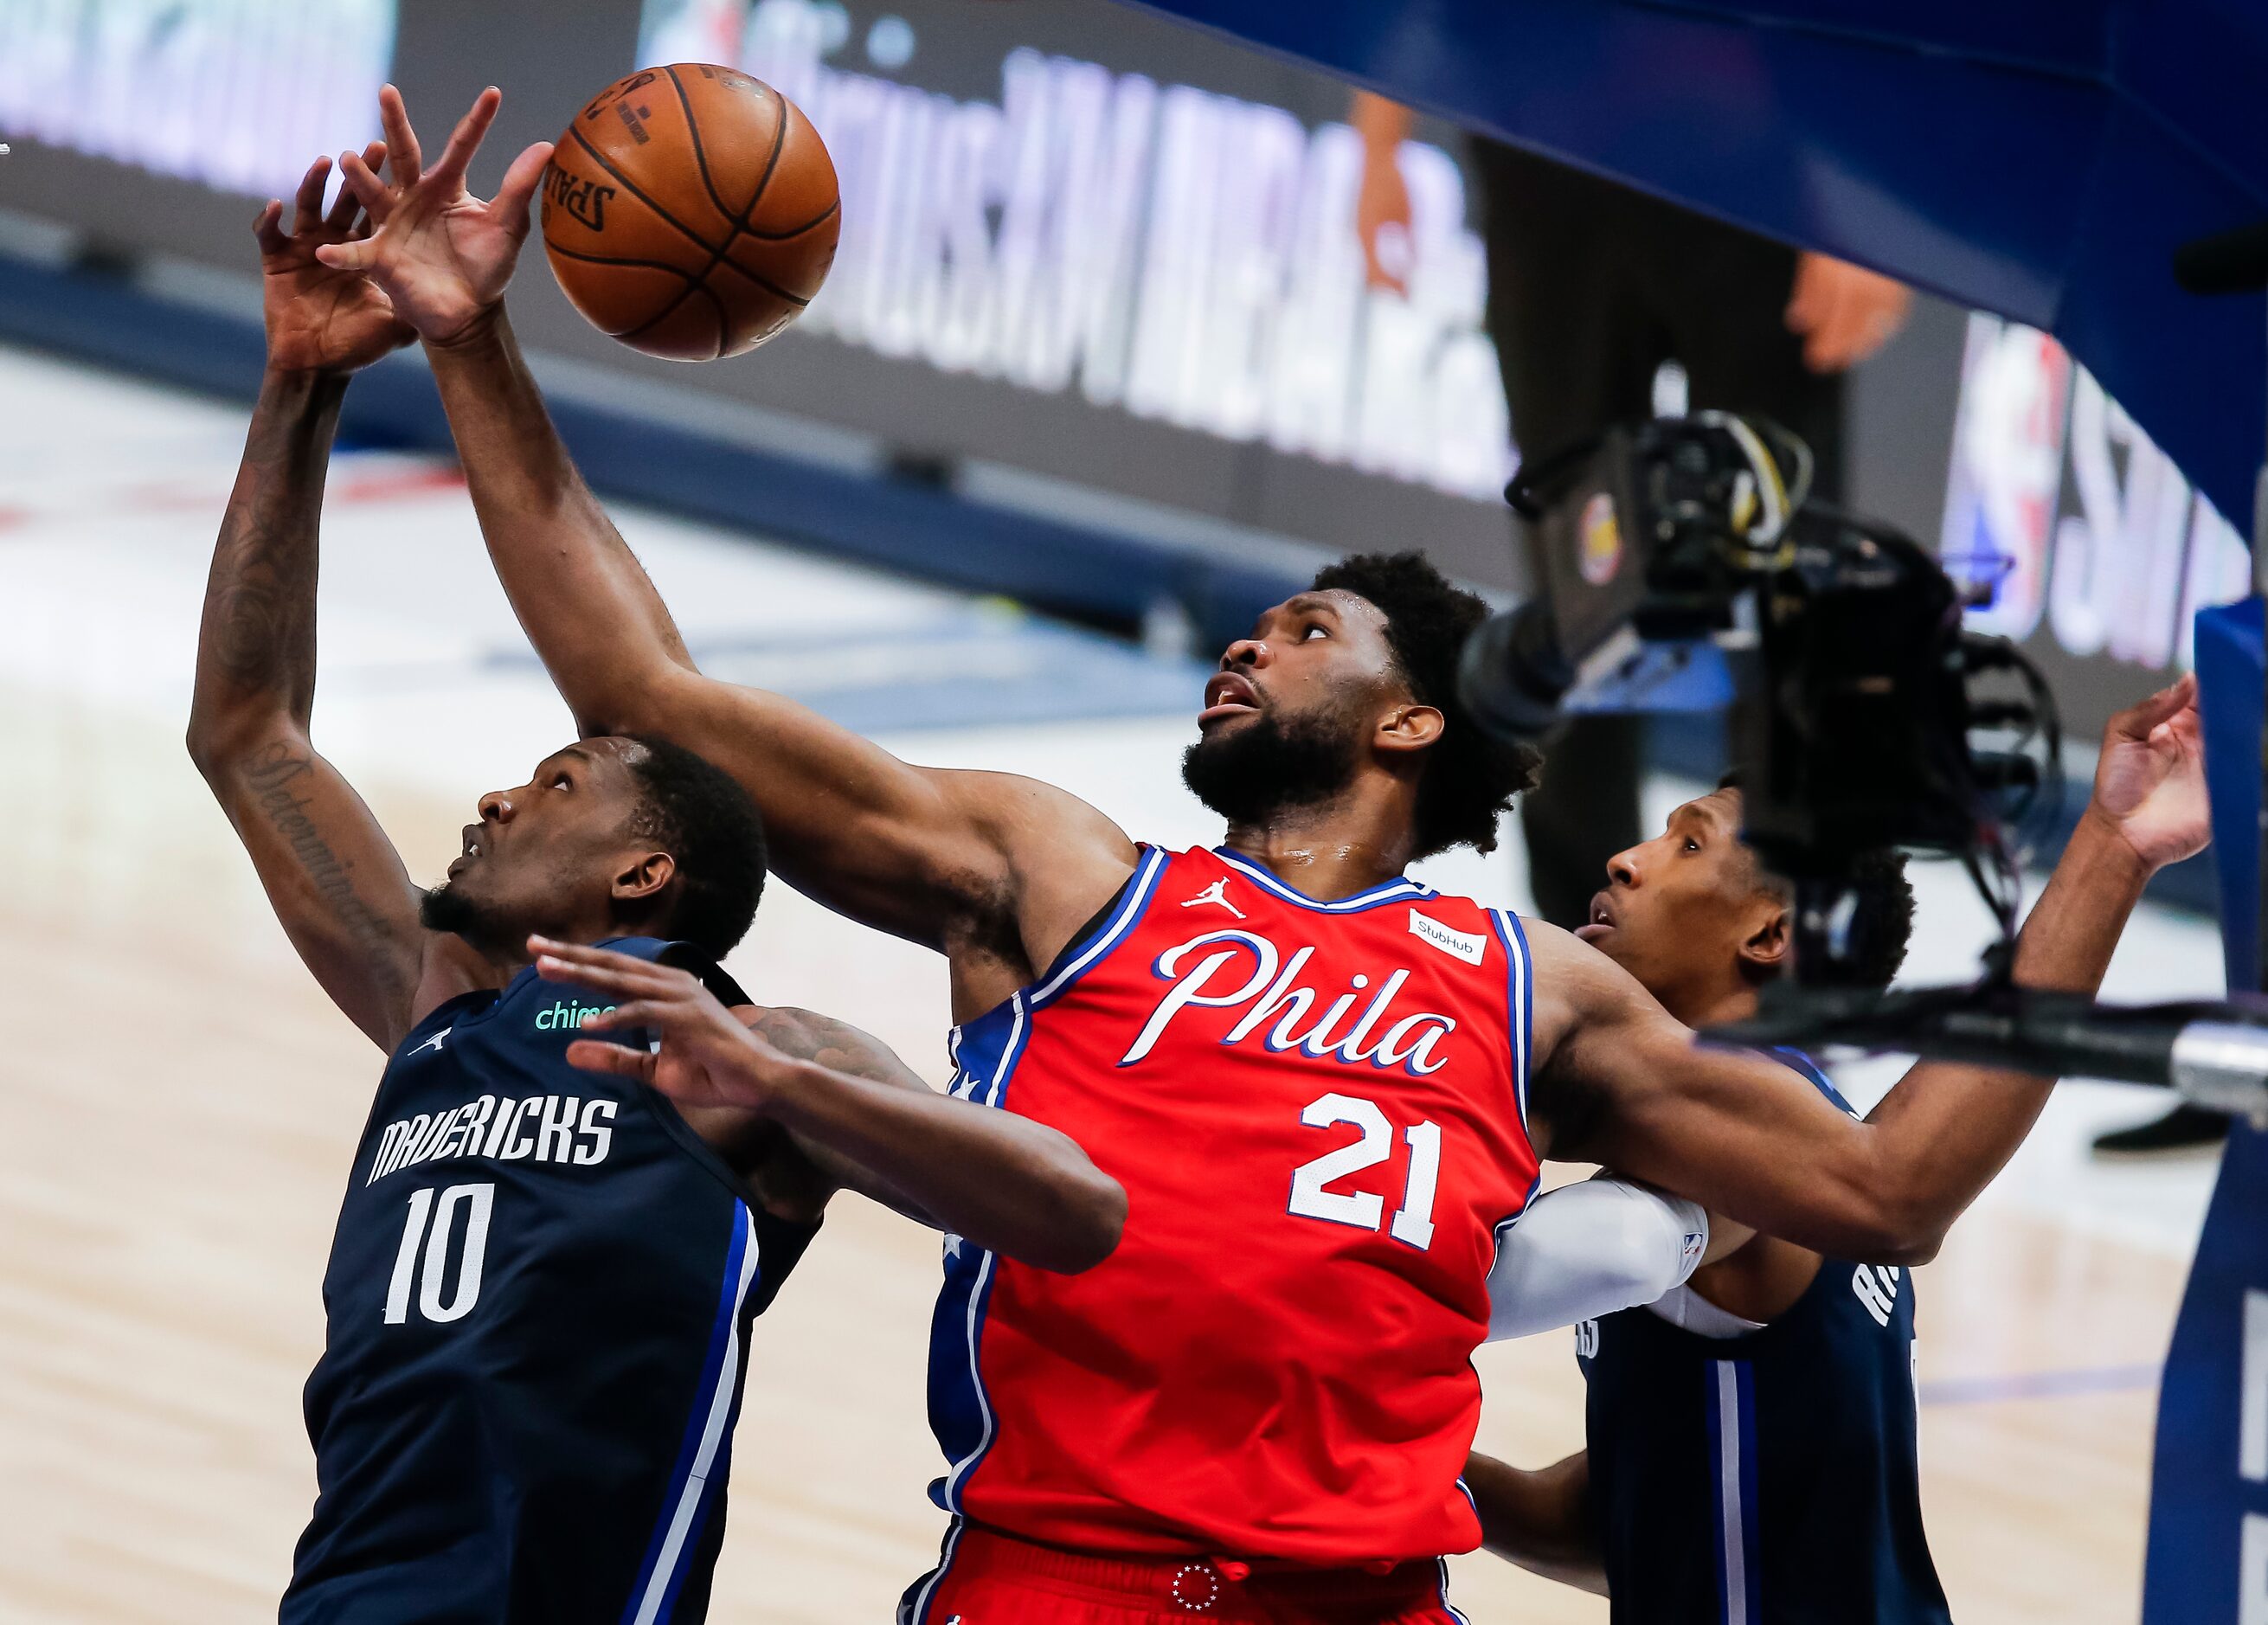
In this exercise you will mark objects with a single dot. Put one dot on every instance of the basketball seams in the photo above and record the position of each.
(693, 286)
(635, 190)
(817, 220)
(765, 283)
(678, 271)
(700, 153)
(715, 255)
(719, 255)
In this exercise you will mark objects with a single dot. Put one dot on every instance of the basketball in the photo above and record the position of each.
(690, 212)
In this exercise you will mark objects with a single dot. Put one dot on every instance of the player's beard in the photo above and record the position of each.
(448, 908)
(1249, 772)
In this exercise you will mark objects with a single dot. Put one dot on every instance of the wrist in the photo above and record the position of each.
(2100, 842)
(311, 387)
(483, 331)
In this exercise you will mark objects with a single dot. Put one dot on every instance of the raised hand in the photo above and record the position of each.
(2149, 783)
(319, 318)
(441, 254)
(709, 1055)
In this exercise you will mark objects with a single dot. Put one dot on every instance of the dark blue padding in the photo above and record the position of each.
(2042, 159)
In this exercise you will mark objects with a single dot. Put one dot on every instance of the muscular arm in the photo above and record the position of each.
(1540, 1520)
(335, 879)
(925, 854)
(1746, 1136)
(1008, 1184)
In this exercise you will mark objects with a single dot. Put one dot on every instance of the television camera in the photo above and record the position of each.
(1866, 715)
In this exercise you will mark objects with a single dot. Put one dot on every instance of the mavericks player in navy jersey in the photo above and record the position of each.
(1751, 1436)
(542, 1277)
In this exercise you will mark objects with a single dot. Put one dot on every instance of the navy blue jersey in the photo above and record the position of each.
(1770, 1479)
(538, 1301)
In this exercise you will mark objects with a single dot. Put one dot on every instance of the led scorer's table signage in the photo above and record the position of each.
(1187, 256)
(237, 94)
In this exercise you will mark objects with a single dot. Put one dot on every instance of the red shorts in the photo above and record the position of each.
(990, 1578)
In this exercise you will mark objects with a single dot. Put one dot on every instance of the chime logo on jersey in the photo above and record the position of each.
(1229, 968)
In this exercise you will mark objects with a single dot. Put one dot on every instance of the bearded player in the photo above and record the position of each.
(543, 1273)
(1324, 1086)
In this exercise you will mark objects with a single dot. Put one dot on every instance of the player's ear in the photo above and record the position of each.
(1765, 949)
(644, 878)
(1409, 726)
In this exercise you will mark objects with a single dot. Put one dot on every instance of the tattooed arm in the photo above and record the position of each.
(336, 880)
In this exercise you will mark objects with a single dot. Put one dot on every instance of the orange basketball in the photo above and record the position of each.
(690, 212)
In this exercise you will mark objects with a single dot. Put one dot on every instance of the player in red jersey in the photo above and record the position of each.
(1324, 1087)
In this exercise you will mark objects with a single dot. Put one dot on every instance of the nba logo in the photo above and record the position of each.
(2007, 471)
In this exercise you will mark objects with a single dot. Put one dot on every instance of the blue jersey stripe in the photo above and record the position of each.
(913, 1608)
(1744, 1376)
(1131, 906)
(1731, 1405)
(1387, 892)
(684, 1508)
(960, 1411)
(1520, 995)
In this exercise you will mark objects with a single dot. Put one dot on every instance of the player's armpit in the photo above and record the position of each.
(337, 884)
(1541, 1520)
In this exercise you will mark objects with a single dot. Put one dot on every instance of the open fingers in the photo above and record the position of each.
(307, 205)
(401, 141)
(660, 1014)
(268, 230)
(358, 256)
(604, 971)
(368, 189)
(517, 189)
(590, 1055)
(465, 140)
(344, 207)
(2139, 720)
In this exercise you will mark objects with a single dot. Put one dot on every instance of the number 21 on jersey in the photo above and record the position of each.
(1312, 1197)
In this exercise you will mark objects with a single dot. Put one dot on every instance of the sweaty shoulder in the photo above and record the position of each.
(1579, 991)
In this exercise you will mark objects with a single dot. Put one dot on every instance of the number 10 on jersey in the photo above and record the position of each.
(1311, 1197)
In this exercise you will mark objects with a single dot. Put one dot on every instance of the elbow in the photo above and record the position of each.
(1094, 1218)
(1901, 1233)
(1081, 1222)
(213, 744)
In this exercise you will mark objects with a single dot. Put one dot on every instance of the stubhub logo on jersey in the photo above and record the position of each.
(1228, 969)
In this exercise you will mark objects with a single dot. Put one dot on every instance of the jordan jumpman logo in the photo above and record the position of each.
(1217, 893)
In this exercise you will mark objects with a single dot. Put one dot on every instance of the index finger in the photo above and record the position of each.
(465, 140)
(307, 205)
(343, 210)
(401, 149)
(2137, 720)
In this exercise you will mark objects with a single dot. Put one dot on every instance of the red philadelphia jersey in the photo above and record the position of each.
(1318, 1111)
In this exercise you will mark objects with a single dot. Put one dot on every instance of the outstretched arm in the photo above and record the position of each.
(1541, 1520)
(927, 855)
(1008, 1184)
(336, 883)
(1626, 1085)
